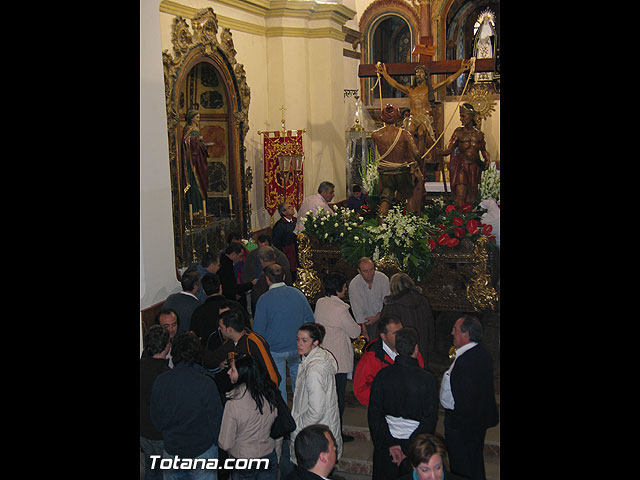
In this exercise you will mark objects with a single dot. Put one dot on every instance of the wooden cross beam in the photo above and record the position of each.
(435, 68)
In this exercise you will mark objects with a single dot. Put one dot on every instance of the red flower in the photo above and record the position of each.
(459, 232)
(432, 244)
(473, 226)
(453, 242)
(450, 208)
(486, 229)
(466, 208)
(458, 221)
(442, 226)
(443, 238)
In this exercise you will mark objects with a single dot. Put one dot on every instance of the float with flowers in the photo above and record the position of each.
(449, 251)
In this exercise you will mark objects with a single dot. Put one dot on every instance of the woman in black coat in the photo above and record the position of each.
(409, 304)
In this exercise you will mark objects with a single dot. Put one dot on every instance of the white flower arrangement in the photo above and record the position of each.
(330, 226)
(369, 173)
(490, 183)
(403, 237)
(399, 231)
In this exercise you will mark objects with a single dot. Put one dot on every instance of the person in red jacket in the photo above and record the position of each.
(379, 353)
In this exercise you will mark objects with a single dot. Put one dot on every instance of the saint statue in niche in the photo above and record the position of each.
(194, 162)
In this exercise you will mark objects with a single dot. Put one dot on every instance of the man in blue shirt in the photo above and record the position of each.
(279, 313)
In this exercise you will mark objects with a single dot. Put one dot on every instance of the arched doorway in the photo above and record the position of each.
(390, 29)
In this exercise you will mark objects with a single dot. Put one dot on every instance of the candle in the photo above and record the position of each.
(230, 204)
(191, 213)
(204, 207)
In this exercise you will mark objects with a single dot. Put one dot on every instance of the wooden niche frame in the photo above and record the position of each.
(192, 47)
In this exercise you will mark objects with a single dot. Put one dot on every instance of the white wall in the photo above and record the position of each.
(157, 257)
(291, 58)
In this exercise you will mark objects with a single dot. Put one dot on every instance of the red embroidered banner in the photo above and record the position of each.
(276, 145)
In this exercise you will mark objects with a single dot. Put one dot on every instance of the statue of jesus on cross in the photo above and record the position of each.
(421, 100)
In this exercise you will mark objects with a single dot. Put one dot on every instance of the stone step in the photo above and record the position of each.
(357, 457)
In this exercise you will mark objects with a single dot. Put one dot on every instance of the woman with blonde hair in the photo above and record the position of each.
(409, 304)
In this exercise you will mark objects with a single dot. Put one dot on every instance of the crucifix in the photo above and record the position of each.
(426, 115)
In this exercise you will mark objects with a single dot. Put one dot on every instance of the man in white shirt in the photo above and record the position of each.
(326, 192)
(468, 398)
(366, 296)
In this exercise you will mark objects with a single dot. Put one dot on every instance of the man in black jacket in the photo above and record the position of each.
(403, 403)
(153, 362)
(230, 287)
(186, 405)
(204, 320)
(468, 399)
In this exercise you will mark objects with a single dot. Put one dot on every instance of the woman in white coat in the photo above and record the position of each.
(333, 314)
(315, 399)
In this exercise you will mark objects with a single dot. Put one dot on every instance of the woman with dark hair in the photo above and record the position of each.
(315, 399)
(333, 313)
(427, 456)
(248, 415)
(409, 304)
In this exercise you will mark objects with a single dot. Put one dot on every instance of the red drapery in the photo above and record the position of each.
(275, 145)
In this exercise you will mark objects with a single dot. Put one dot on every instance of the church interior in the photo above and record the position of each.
(260, 71)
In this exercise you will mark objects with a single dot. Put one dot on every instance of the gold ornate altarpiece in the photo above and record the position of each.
(461, 278)
(193, 48)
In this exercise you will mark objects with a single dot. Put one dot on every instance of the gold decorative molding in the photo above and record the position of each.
(307, 281)
(479, 290)
(460, 278)
(482, 97)
(308, 10)
(301, 32)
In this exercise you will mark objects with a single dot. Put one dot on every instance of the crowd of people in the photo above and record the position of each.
(213, 374)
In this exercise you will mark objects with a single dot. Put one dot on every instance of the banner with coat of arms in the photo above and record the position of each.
(280, 186)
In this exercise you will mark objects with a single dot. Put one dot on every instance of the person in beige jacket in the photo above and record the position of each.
(341, 328)
(249, 412)
(315, 399)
